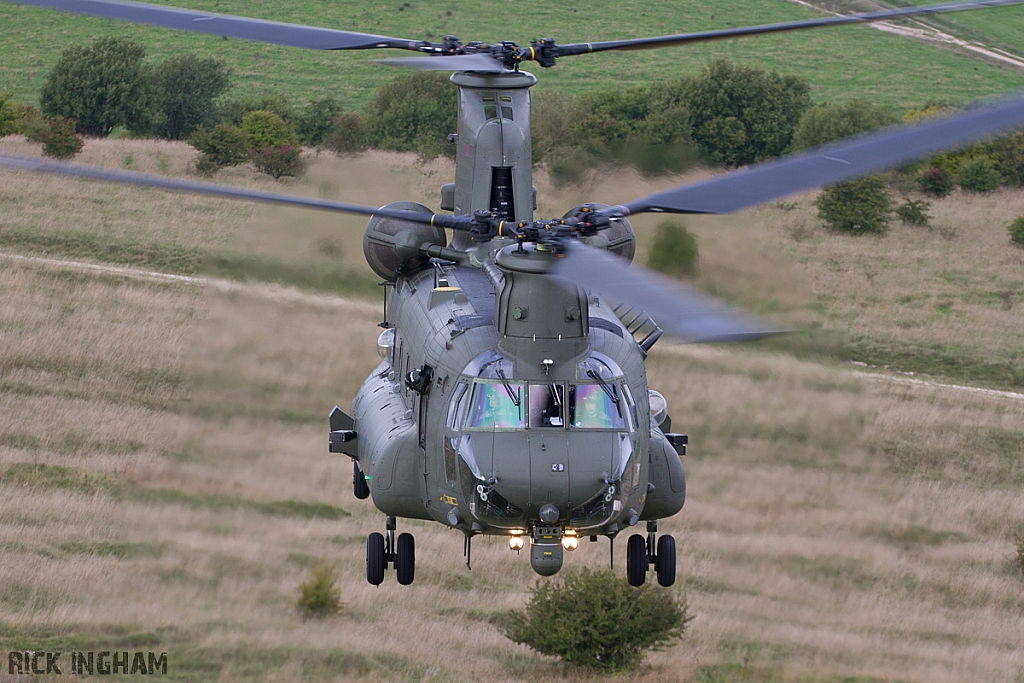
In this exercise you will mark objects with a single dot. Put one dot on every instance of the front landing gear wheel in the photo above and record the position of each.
(360, 488)
(665, 564)
(405, 560)
(375, 559)
(636, 560)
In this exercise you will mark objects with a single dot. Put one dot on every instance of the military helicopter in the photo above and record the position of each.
(511, 398)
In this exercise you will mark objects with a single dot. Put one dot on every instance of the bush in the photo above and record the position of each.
(319, 596)
(225, 145)
(232, 111)
(266, 129)
(596, 620)
(279, 160)
(316, 121)
(936, 181)
(57, 136)
(1017, 231)
(856, 206)
(184, 89)
(1008, 154)
(979, 175)
(100, 86)
(674, 250)
(741, 114)
(913, 212)
(415, 113)
(826, 123)
(348, 133)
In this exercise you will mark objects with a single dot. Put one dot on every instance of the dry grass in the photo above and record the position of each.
(161, 443)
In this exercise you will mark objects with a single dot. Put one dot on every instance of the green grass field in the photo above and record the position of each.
(840, 63)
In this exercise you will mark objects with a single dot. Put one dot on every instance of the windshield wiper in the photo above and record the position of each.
(604, 385)
(512, 395)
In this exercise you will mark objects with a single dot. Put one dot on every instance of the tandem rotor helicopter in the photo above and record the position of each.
(512, 397)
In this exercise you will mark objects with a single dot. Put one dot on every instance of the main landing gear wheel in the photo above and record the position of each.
(636, 560)
(376, 560)
(405, 559)
(384, 549)
(665, 561)
(360, 488)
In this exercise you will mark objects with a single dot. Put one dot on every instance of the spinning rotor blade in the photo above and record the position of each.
(830, 164)
(471, 62)
(292, 35)
(703, 36)
(681, 311)
(213, 189)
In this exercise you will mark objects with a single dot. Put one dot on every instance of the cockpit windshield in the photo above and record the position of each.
(596, 406)
(496, 405)
(547, 405)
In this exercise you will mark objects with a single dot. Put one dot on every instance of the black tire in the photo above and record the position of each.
(359, 486)
(405, 562)
(375, 561)
(636, 560)
(665, 564)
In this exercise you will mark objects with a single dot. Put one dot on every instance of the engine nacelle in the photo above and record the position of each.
(618, 238)
(392, 246)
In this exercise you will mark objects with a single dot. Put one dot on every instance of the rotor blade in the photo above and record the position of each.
(830, 164)
(474, 62)
(293, 35)
(703, 36)
(681, 311)
(213, 189)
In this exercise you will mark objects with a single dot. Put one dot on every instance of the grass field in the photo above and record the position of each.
(164, 481)
(840, 63)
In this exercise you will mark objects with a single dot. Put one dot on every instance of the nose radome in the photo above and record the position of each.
(548, 513)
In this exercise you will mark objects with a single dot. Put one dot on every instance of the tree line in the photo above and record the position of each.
(728, 114)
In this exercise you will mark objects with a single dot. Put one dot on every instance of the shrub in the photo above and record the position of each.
(741, 114)
(318, 595)
(936, 181)
(414, 113)
(913, 212)
(596, 620)
(225, 145)
(979, 175)
(100, 86)
(1017, 231)
(348, 133)
(57, 135)
(826, 123)
(232, 111)
(674, 250)
(266, 129)
(279, 160)
(856, 206)
(316, 121)
(184, 89)
(1008, 154)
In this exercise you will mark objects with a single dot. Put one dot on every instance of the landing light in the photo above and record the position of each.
(570, 542)
(516, 543)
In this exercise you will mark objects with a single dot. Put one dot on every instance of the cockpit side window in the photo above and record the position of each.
(596, 406)
(456, 409)
(547, 405)
(496, 405)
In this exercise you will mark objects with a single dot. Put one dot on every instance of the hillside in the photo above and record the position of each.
(165, 485)
(841, 63)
